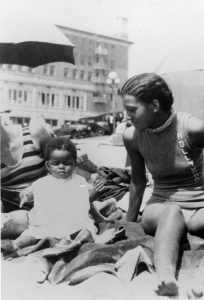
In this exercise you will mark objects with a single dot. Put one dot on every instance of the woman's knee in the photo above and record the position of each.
(165, 215)
(14, 223)
(173, 216)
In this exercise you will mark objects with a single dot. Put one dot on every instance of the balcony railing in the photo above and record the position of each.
(100, 66)
(99, 80)
(99, 99)
(101, 51)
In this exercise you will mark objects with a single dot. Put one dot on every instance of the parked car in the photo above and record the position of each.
(100, 123)
(76, 130)
(97, 128)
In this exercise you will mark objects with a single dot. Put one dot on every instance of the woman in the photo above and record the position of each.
(171, 145)
(22, 163)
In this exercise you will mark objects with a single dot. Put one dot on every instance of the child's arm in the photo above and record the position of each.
(26, 196)
(96, 214)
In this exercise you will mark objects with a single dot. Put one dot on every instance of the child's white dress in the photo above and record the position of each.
(61, 207)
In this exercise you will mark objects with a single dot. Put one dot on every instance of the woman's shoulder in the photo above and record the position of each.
(130, 138)
(129, 133)
(196, 131)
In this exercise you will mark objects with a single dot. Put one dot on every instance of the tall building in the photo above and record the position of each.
(62, 92)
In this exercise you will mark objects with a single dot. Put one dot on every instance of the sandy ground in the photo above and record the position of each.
(19, 283)
(101, 152)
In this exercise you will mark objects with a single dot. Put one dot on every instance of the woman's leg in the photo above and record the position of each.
(25, 241)
(21, 242)
(196, 223)
(13, 224)
(168, 224)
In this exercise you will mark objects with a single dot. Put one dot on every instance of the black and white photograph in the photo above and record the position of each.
(102, 149)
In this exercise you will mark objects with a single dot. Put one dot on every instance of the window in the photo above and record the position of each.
(43, 99)
(45, 69)
(14, 95)
(82, 75)
(75, 73)
(20, 68)
(112, 64)
(97, 58)
(25, 96)
(54, 100)
(51, 122)
(67, 101)
(48, 100)
(89, 61)
(77, 102)
(82, 60)
(52, 70)
(19, 96)
(74, 102)
(89, 76)
(66, 72)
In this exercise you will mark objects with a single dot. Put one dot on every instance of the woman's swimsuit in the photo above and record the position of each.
(17, 177)
(175, 164)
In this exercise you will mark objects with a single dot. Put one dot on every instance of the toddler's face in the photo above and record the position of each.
(61, 164)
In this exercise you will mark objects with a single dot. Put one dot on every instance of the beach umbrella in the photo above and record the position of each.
(185, 58)
(33, 43)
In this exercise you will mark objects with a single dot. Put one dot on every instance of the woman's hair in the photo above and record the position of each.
(148, 87)
(60, 143)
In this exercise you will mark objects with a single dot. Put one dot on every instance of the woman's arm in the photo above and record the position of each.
(138, 178)
(41, 132)
(26, 196)
(196, 132)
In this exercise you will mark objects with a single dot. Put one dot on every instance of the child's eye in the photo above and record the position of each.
(54, 163)
(68, 163)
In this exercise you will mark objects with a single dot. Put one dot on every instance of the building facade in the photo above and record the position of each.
(62, 92)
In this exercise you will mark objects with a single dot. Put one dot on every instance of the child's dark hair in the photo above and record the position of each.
(60, 143)
(148, 87)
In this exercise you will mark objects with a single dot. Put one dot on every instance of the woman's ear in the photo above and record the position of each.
(155, 105)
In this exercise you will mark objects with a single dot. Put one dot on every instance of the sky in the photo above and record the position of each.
(158, 28)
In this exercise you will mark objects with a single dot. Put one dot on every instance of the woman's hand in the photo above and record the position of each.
(26, 196)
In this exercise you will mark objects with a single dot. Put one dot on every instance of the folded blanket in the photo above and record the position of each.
(102, 258)
(116, 183)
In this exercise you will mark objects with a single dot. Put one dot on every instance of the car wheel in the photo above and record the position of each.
(74, 134)
(100, 131)
(86, 134)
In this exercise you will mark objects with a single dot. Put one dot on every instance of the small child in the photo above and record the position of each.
(61, 199)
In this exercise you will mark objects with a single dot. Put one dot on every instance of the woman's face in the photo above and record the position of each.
(61, 164)
(141, 114)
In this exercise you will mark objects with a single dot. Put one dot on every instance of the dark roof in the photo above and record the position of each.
(96, 34)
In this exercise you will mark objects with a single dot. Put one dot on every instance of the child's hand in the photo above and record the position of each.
(99, 184)
(26, 196)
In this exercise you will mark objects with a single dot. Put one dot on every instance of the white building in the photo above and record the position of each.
(62, 92)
